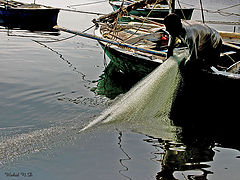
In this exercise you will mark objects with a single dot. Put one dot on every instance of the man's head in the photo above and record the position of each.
(173, 24)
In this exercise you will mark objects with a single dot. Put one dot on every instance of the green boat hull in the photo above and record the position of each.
(160, 13)
(130, 63)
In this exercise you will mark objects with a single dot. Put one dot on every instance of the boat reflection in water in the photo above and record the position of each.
(191, 154)
(113, 82)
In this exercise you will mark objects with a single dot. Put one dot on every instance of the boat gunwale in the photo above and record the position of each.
(155, 9)
(148, 56)
(146, 8)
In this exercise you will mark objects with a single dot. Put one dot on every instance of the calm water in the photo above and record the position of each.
(46, 98)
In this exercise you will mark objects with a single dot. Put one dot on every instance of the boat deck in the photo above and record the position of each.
(10, 3)
(20, 5)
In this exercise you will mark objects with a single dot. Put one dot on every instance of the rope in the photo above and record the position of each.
(222, 22)
(84, 4)
(58, 40)
(115, 25)
(181, 9)
(231, 58)
(77, 11)
(223, 13)
(64, 59)
(169, 4)
(114, 31)
(229, 7)
(145, 19)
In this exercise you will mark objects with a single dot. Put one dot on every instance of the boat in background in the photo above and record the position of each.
(161, 10)
(33, 16)
(231, 37)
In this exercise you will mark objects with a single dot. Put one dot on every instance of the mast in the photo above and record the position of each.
(171, 6)
(203, 20)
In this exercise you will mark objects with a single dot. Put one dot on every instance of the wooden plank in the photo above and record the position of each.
(225, 34)
(231, 45)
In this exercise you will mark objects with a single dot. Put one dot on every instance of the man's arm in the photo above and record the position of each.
(171, 44)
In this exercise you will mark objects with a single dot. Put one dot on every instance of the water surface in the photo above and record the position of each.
(46, 98)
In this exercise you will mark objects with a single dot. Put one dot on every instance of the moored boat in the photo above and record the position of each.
(154, 37)
(160, 10)
(137, 48)
(205, 95)
(131, 61)
(15, 14)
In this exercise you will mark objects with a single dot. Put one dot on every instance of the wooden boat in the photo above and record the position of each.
(152, 37)
(207, 95)
(138, 48)
(205, 99)
(134, 62)
(160, 11)
(15, 14)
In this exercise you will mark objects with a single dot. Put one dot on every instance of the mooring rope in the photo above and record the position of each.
(64, 59)
(219, 11)
(114, 31)
(229, 7)
(181, 9)
(78, 11)
(85, 4)
(58, 40)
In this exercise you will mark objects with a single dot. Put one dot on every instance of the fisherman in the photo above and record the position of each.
(204, 43)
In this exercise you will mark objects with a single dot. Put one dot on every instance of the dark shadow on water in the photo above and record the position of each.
(206, 107)
(201, 109)
(123, 161)
(206, 113)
